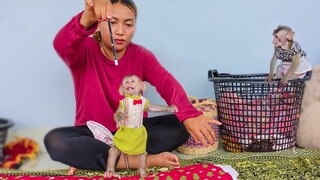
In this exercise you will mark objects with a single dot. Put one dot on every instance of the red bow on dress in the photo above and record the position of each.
(137, 102)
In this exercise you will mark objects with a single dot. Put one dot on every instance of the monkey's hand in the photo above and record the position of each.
(173, 109)
(284, 81)
(121, 123)
(269, 78)
(120, 118)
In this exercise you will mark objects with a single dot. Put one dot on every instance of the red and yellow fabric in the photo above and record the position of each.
(18, 151)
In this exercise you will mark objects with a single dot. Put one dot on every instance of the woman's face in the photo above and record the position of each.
(123, 25)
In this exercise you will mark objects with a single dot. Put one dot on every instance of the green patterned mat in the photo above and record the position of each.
(289, 164)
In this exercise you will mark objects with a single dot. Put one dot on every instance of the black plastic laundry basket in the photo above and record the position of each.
(257, 116)
(5, 124)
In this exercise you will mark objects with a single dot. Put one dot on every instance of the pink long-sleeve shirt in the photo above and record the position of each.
(96, 79)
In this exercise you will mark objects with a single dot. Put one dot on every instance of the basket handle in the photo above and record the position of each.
(214, 73)
(194, 101)
(197, 104)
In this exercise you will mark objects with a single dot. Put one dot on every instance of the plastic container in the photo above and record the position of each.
(257, 116)
(5, 124)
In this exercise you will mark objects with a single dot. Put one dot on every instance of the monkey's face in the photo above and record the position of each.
(131, 85)
(280, 39)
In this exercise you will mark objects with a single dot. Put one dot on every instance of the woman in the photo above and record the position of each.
(96, 78)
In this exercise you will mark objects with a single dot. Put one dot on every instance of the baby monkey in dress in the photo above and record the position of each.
(131, 136)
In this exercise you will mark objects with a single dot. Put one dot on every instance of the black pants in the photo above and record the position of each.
(76, 146)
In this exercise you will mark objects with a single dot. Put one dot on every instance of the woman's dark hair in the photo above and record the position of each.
(129, 3)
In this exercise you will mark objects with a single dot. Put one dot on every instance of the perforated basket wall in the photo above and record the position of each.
(257, 116)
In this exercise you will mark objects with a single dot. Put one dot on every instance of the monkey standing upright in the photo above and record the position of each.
(294, 63)
(131, 136)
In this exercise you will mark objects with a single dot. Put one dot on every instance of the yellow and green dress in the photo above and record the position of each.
(132, 137)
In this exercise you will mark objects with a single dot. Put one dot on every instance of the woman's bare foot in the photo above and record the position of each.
(72, 170)
(164, 159)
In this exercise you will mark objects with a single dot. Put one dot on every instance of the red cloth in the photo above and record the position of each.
(18, 151)
(97, 79)
(197, 171)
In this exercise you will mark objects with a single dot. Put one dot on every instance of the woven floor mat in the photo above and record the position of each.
(289, 164)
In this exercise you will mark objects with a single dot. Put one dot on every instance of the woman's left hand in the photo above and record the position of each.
(200, 130)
